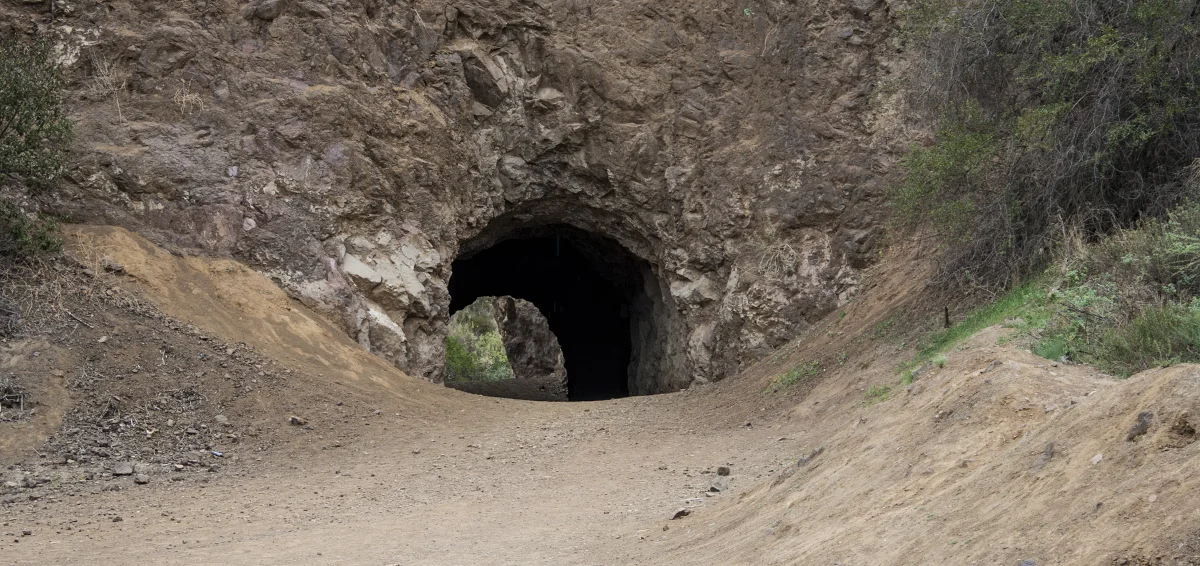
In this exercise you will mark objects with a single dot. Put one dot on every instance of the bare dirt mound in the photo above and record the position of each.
(997, 458)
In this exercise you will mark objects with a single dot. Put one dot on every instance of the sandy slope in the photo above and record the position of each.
(954, 470)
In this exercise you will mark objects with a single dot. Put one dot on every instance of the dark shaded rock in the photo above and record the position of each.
(862, 8)
(266, 10)
(1140, 427)
(532, 349)
(806, 460)
(1046, 456)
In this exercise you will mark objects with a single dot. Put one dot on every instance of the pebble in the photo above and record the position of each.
(723, 470)
(1096, 459)
(123, 469)
(141, 479)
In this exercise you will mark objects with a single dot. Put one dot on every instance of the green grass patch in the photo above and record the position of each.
(878, 394)
(1028, 304)
(795, 375)
(883, 328)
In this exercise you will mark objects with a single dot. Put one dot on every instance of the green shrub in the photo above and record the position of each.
(1158, 336)
(23, 236)
(1054, 348)
(34, 129)
(474, 346)
(935, 176)
(1129, 302)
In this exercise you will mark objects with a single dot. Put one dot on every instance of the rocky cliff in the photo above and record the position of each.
(352, 149)
(531, 347)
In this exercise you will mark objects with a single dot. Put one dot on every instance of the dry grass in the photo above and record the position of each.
(186, 100)
(777, 259)
(109, 78)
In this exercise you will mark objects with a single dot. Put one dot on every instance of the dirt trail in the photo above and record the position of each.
(989, 460)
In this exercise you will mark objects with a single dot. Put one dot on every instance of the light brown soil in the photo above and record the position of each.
(952, 470)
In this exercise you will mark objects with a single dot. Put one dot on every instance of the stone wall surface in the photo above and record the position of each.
(351, 148)
(532, 349)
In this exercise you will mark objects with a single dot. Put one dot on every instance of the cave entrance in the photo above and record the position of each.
(599, 299)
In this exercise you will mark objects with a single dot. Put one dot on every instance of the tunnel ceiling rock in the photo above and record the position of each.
(352, 150)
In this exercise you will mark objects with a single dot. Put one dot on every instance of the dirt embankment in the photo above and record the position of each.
(999, 457)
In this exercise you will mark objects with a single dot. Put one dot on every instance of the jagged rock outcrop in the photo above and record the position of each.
(532, 349)
(350, 148)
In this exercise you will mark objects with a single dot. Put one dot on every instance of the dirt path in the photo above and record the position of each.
(571, 484)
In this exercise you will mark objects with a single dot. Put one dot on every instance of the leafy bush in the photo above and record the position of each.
(474, 346)
(34, 129)
(23, 236)
(1050, 112)
(1126, 303)
(1159, 336)
(1130, 302)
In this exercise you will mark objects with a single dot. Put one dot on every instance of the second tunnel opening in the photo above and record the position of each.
(599, 299)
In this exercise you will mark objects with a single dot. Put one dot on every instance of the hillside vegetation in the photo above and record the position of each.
(1063, 173)
(34, 135)
(1053, 118)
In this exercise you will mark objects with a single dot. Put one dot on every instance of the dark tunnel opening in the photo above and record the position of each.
(590, 288)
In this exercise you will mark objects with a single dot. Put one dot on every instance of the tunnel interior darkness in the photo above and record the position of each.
(590, 288)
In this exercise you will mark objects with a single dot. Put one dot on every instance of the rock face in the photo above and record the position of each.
(350, 149)
(532, 349)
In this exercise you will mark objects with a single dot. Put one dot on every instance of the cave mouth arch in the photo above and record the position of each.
(602, 302)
